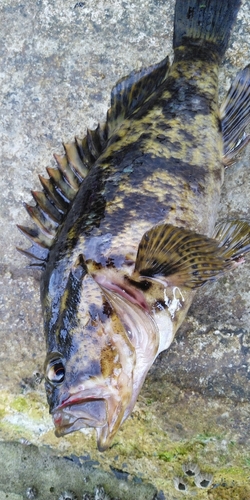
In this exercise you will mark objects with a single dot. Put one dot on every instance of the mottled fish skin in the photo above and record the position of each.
(104, 321)
(158, 167)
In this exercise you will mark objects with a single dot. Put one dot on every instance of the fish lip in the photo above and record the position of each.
(75, 399)
(79, 411)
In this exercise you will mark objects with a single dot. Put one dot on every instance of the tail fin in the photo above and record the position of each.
(201, 21)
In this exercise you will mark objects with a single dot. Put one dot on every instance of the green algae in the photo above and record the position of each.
(20, 404)
(233, 492)
(2, 413)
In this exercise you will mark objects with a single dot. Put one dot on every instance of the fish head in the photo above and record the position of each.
(100, 349)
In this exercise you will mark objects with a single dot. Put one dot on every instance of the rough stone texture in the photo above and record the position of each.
(70, 476)
(59, 62)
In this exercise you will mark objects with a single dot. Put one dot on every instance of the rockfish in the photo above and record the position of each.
(126, 224)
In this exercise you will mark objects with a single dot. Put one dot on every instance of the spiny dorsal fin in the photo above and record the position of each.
(178, 256)
(235, 116)
(52, 204)
(133, 90)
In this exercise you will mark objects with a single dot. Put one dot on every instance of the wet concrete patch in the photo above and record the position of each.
(30, 472)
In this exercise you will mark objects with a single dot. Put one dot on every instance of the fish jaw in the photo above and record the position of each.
(104, 404)
(81, 411)
(78, 413)
(99, 406)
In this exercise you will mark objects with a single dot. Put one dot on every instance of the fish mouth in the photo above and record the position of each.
(80, 411)
(77, 413)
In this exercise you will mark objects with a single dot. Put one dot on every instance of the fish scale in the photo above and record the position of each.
(125, 225)
(154, 161)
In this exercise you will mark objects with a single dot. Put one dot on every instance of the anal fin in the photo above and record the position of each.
(234, 239)
(235, 116)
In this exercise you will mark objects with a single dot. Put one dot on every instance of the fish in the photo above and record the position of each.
(125, 228)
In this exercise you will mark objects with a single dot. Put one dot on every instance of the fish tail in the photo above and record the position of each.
(204, 22)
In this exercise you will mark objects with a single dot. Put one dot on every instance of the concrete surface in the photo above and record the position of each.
(59, 62)
(66, 478)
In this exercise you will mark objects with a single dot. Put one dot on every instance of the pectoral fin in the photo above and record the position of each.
(178, 256)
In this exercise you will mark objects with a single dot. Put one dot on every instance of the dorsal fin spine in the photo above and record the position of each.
(67, 171)
(36, 236)
(61, 182)
(54, 194)
(42, 220)
(43, 202)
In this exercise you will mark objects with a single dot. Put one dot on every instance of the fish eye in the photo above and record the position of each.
(55, 371)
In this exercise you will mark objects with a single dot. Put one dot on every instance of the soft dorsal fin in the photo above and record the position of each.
(178, 256)
(235, 116)
(54, 201)
(133, 90)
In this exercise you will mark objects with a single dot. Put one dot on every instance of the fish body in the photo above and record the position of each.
(127, 225)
